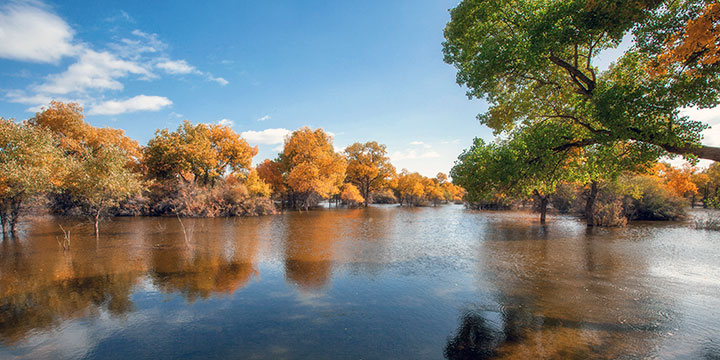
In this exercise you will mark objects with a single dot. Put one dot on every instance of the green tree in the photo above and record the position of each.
(30, 164)
(534, 61)
(525, 164)
(368, 167)
(100, 180)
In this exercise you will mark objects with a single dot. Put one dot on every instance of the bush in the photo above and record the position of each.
(653, 201)
(385, 196)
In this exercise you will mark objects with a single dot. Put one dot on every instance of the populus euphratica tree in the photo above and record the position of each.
(30, 165)
(310, 165)
(199, 152)
(368, 167)
(535, 61)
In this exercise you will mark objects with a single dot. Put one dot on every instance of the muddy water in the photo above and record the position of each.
(377, 283)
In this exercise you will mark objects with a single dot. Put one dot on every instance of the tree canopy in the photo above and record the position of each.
(197, 151)
(535, 61)
(368, 167)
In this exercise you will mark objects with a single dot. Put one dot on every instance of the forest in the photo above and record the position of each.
(57, 162)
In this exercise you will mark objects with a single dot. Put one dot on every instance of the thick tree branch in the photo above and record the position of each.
(577, 75)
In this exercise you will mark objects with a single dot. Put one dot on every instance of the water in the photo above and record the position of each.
(377, 283)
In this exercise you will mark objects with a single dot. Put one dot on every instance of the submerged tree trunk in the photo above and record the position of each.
(97, 221)
(14, 214)
(590, 203)
(543, 199)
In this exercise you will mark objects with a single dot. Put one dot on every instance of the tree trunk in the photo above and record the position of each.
(14, 214)
(590, 203)
(97, 221)
(543, 209)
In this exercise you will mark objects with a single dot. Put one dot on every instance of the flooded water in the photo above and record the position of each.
(377, 283)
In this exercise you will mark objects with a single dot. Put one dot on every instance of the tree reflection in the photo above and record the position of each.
(219, 260)
(474, 339)
(42, 286)
(309, 248)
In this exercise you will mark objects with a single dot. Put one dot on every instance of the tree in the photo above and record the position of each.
(533, 61)
(256, 186)
(76, 137)
(351, 195)
(269, 171)
(199, 152)
(695, 46)
(311, 166)
(368, 167)
(30, 165)
(100, 180)
(525, 164)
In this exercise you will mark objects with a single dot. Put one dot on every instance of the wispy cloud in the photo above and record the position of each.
(267, 136)
(137, 103)
(413, 154)
(226, 122)
(30, 32)
(263, 118)
(420, 143)
(93, 71)
(176, 67)
(218, 80)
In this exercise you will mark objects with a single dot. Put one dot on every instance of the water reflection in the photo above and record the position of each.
(309, 248)
(382, 282)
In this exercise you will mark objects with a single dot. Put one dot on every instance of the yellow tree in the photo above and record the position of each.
(368, 167)
(205, 152)
(256, 186)
(351, 195)
(311, 165)
(269, 171)
(76, 137)
(30, 165)
(409, 188)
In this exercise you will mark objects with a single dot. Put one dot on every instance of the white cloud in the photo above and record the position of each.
(137, 103)
(419, 143)
(710, 117)
(266, 117)
(93, 70)
(267, 136)
(226, 122)
(413, 154)
(176, 115)
(218, 80)
(176, 67)
(29, 32)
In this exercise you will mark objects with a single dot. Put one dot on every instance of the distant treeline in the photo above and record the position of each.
(57, 161)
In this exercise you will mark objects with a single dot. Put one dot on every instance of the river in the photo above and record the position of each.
(378, 283)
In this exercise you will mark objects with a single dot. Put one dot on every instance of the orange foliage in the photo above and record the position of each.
(351, 195)
(76, 136)
(311, 163)
(697, 45)
(269, 172)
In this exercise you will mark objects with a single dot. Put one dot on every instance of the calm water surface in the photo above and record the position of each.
(377, 283)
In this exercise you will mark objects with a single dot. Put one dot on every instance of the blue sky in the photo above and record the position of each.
(362, 70)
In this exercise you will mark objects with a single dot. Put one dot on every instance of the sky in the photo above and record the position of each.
(361, 70)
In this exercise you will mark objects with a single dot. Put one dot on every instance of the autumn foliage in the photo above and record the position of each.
(195, 170)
